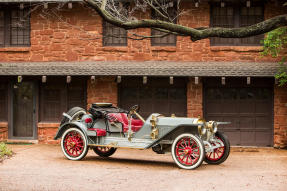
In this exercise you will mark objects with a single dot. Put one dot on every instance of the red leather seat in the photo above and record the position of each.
(123, 118)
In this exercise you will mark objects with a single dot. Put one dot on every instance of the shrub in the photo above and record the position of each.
(4, 150)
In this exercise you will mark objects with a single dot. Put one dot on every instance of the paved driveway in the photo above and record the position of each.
(42, 167)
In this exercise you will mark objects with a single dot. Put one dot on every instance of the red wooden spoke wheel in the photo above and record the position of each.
(188, 151)
(104, 151)
(74, 144)
(220, 154)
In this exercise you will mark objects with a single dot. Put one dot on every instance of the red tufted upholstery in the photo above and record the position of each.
(123, 118)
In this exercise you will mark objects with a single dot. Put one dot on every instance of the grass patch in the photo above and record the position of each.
(5, 152)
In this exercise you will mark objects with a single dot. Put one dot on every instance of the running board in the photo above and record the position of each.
(123, 142)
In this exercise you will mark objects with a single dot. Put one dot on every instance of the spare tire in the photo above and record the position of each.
(75, 112)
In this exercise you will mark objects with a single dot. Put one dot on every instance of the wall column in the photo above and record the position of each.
(194, 98)
(280, 117)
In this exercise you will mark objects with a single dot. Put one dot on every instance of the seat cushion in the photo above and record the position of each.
(100, 132)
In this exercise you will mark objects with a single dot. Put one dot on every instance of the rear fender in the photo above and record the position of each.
(68, 125)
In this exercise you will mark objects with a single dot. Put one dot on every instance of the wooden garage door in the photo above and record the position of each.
(157, 96)
(249, 108)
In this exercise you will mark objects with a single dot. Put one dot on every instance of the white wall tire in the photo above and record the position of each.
(188, 151)
(74, 144)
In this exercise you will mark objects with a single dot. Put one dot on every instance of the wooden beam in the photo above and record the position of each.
(223, 80)
(19, 79)
(171, 80)
(21, 6)
(93, 79)
(248, 3)
(44, 79)
(248, 80)
(144, 80)
(70, 5)
(69, 79)
(196, 80)
(119, 79)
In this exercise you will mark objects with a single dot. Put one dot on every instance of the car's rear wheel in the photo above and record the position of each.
(220, 154)
(104, 151)
(74, 144)
(188, 151)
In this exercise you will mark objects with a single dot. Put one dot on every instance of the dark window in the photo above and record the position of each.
(2, 27)
(155, 96)
(14, 26)
(113, 35)
(3, 100)
(57, 97)
(169, 40)
(250, 16)
(236, 15)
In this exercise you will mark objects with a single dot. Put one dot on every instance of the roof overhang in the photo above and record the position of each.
(140, 68)
(34, 1)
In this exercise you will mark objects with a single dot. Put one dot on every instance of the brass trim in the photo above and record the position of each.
(140, 117)
(199, 129)
(154, 129)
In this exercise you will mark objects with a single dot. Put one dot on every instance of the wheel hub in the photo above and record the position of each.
(187, 151)
(72, 144)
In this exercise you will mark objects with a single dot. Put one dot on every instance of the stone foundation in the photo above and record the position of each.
(3, 131)
(47, 132)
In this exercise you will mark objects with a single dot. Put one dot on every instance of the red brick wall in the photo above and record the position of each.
(103, 89)
(280, 117)
(194, 99)
(77, 37)
(3, 131)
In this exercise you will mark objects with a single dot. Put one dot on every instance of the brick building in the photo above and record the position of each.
(50, 63)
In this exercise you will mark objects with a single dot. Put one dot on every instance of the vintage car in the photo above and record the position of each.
(104, 128)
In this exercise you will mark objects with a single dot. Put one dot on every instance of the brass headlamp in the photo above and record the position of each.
(201, 126)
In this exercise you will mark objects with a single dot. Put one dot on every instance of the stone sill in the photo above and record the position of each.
(237, 48)
(115, 48)
(3, 124)
(48, 125)
(22, 141)
(15, 49)
(164, 48)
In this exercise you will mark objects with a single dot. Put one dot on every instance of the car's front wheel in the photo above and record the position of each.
(74, 144)
(188, 151)
(220, 154)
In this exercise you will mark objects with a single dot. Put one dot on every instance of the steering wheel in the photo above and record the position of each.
(135, 108)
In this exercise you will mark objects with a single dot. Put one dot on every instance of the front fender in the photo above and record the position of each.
(173, 132)
(68, 125)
